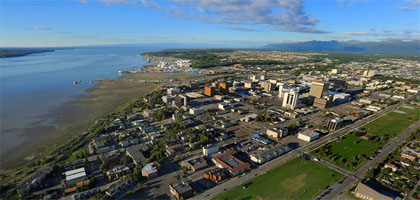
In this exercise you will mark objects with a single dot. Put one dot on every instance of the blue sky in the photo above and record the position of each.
(239, 23)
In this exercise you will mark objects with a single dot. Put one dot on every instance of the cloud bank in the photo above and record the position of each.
(278, 15)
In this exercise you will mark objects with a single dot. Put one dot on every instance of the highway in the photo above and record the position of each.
(303, 150)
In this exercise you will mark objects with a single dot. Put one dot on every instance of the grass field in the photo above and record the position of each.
(296, 179)
(348, 153)
(393, 123)
(352, 151)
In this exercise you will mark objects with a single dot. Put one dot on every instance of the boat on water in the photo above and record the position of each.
(149, 60)
(76, 82)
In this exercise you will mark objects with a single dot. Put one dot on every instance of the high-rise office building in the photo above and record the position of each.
(268, 86)
(318, 89)
(223, 88)
(323, 103)
(369, 73)
(291, 99)
(281, 86)
(209, 91)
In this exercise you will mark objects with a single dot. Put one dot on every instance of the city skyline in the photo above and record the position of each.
(238, 23)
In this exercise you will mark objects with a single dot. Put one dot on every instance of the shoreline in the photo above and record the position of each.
(76, 116)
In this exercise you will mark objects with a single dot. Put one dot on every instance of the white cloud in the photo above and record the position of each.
(40, 28)
(343, 4)
(413, 2)
(356, 33)
(284, 15)
(117, 2)
(83, 1)
(390, 34)
(407, 8)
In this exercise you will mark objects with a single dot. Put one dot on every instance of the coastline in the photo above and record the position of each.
(10, 53)
(76, 116)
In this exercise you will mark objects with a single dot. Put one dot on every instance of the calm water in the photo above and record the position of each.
(31, 86)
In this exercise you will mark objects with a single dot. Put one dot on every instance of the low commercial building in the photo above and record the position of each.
(216, 175)
(168, 99)
(279, 133)
(367, 101)
(224, 106)
(181, 189)
(219, 97)
(263, 140)
(308, 135)
(75, 176)
(248, 118)
(232, 164)
(335, 124)
(151, 170)
(136, 153)
(172, 91)
(110, 157)
(210, 149)
(195, 164)
(172, 149)
(117, 172)
(265, 154)
(197, 111)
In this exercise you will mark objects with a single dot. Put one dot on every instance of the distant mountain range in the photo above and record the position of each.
(389, 47)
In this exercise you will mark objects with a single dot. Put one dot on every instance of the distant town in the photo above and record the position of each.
(249, 125)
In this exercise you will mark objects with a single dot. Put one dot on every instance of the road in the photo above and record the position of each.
(299, 151)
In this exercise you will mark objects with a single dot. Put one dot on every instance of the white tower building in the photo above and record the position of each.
(291, 99)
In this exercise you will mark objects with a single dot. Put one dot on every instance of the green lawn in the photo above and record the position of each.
(348, 153)
(393, 123)
(81, 153)
(296, 179)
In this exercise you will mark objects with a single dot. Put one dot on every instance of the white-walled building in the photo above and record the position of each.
(291, 99)
(277, 133)
(196, 111)
(210, 149)
(308, 135)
